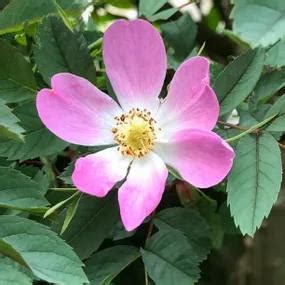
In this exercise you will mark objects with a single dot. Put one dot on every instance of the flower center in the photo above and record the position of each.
(135, 132)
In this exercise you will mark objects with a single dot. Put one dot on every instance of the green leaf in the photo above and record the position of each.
(149, 7)
(48, 256)
(180, 35)
(17, 81)
(254, 182)
(268, 85)
(9, 127)
(37, 175)
(70, 212)
(278, 124)
(12, 273)
(63, 16)
(122, 4)
(191, 224)
(60, 50)
(259, 22)
(170, 259)
(91, 224)
(232, 36)
(208, 209)
(105, 265)
(275, 56)
(60, 204)
(238, 79)
(163, 15)
(16, 13)
(39, 141)
(19, 191)
(252, 129)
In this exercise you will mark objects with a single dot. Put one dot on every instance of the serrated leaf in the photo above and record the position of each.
(105, 265)
(60, 50)
(266, 27)
(12, 273)
(278, 107)
(149, 7)
(163, 15)
(19, 191)
(93, 221)
(9, 127)
(39, 141)
(191, 224)
(48, 256)
(17, 81)
(170, 259)
(275, 56)
(254, 182)
(268, 85)
(180, 35)
(238, 79)
(16, 13)
(278, 123)
(37, 175)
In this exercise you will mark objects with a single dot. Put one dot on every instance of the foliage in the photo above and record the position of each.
(81, 238)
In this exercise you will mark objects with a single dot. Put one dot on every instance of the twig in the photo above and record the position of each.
(232, 126)
(186, 4)
(281, 145)
(252, 129)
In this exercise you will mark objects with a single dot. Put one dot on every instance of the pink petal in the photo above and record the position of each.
(76, 111)
(135, 59)
(142, 191)
(190, 103)
(96, 174)
(202, 158)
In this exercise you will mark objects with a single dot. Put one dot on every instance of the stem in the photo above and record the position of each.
(49, 170)
(63, 189)
(282, 145)
(252, 129)
(150, 228)
(148, 235)
(201, 48)
(59, 205)
(63, 16)
(186, 4)
(145, 276)
(232, 126)
(96, 44)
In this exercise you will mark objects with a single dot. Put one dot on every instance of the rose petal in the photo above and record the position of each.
(202, 158)
(76, 111)
(142, 191)
(190, 102)
(135, 59)
(97, 173)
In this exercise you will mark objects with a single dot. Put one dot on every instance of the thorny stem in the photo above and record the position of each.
(253, 129)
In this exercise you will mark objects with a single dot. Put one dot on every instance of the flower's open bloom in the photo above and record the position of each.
(148, 133)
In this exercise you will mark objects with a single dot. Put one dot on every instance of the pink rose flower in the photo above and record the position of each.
(148, 133)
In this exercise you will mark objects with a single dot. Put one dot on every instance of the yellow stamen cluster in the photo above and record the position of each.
(135, 132)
